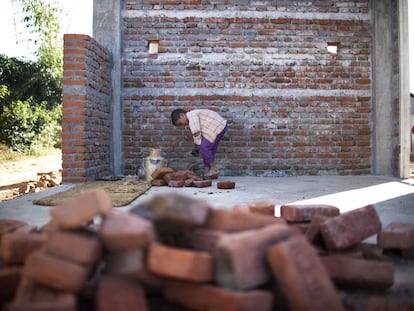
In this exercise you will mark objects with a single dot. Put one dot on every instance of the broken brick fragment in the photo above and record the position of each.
(9, 225)
(202, 183)
(176, 183)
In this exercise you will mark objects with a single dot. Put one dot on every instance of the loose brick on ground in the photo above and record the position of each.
(10, 277)
(180, 264)
(76, 246)
(305, 212)
(357, 272)
(175, 209)
(120, 294)
(131, 264)
(240, 258)
(208, 297)
(35, 297)
(82, 209)
(16, 246)
(202, 183)
(121, 230)
(265, 207)
(56, 273)
(397, 235)
(302, 276)
(236, 219)
(160, 172)
(226, 185)
(349, 228)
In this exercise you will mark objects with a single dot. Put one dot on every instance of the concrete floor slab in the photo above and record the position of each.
(393, 198)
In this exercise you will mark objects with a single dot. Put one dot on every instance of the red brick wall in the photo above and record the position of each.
(86, 118)
(293, 108)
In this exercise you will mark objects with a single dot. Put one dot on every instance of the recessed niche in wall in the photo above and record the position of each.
(332, 47)
(153, 46)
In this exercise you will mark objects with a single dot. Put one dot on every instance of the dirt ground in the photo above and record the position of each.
(14, 173)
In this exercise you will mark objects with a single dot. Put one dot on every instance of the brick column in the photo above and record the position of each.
(86, 122)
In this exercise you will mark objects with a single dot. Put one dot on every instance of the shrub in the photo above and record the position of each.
(26, 128)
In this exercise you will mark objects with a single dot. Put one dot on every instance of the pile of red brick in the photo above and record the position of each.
(46, 181)
(174, 252)
(166, 176)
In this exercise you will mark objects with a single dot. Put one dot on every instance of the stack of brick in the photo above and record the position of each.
(166, 176)
(175, 252)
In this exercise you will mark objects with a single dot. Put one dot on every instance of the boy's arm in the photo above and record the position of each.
(195, 128)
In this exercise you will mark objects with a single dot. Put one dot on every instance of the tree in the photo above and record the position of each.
(43, 20)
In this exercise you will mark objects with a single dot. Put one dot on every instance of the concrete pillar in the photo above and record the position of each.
(107, 31)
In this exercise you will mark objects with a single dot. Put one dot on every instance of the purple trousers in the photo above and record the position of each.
(208, 150)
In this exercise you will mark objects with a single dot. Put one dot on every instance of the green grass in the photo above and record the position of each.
(7, 155)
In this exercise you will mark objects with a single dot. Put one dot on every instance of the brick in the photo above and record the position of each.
(9, 225)
(300, 227)
(54, 272)
(209, 297)
(16, 246)
(240, 258)
(204, 239)
(226, 185)
(388, 304)
(131, 264)
(202, 183)
(121, 230)
(10, 277)
(356, 272)
(160, 172)
(236, 219)
(313, 233)
(120, 294)
(78, 247)
(182, 264)
(371, 251)
(34, 297)
(301, 276)
(158, 182)
(397, 235)
(175, 209)
(75, 212)
(265, 207)
(176, 183)
(300, 212)
(349, 228)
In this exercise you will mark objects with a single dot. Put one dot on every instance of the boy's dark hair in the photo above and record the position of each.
(175, 115)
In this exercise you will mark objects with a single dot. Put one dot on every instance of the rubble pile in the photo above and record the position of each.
(46, 180)
(175, 252)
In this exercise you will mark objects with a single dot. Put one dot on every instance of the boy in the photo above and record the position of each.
(207, 127)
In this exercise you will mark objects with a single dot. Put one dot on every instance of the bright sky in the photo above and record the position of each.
(77, 18)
